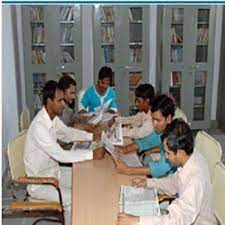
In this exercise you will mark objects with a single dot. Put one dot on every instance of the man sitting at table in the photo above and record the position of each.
(42, 152)
(141, 123)
(191, 183)
(162, 110)
(101, 94)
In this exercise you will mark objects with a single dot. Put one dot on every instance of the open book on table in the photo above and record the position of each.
(130, 159)
(116, 134)
(139, 201)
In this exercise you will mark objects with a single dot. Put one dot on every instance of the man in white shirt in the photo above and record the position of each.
(191, 183)
(42, 152)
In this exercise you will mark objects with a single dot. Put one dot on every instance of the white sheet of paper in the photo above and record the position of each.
(116, 136)
(139, 201)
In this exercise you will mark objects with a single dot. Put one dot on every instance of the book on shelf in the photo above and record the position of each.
(175, 79)
(135, 78)
(177, 15)
(135, 14)
(38, 35)
(38, 56)
(37, 13)
(135, 55)
(176, 54)
(175, 37)
(66, 57)
(108, 14)
(107, 34)
(66, 35)
(108, 54)
(139, 201)
(66, 14)
(202, 35)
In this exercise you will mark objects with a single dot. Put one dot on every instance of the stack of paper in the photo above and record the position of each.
(139, 201)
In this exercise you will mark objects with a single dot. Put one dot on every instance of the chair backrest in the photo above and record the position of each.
(15, 153)
(180, 114)
(210, 149)
(219, 192)
(80, 96)
(25, 119)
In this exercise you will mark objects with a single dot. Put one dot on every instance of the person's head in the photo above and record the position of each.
(162, 109)
(144, 95)
(53, 98)
(68, 85)
(104, 78)
(178, 142)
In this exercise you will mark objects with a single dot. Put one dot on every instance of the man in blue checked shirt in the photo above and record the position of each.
(162, 109)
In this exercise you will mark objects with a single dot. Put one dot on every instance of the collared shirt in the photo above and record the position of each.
(194, 204)
(42, 152)
(92, 100)
(68, 116)
(161, 167)
(141, 125)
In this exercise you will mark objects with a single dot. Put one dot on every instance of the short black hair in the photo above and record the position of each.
(65, 81)
(145, 91)
(105, 72)
(179, 136)
(49, 91)
(164, 104)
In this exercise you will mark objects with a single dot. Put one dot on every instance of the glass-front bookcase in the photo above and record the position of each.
(52, 48)
(188, 41)
(121, 42)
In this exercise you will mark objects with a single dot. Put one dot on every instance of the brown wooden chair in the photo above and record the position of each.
(28, 206)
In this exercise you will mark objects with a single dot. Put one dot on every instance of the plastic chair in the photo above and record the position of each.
(25, 119)
(219, 192)
(210, 149)
(28, 206)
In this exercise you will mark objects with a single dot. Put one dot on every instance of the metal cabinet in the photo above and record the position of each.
(52, 47)
(187, 64)
(121, 41)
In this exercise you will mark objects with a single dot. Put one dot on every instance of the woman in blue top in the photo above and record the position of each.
(100, 97)
(162, 110)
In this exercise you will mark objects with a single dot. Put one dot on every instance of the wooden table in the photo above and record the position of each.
(95, 194)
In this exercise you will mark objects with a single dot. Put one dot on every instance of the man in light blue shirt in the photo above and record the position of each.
(162, 109)
(100, 97)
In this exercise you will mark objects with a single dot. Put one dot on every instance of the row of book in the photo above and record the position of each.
(66, 35)
(38, 56)
(107, 34)
(66, 57)
(135, 55)
(38, 35)
(135, 14)
(175, 38)
(37, 13)
(108, 54)
(202, 35)
(175, 79)
(177, 15)
(176, 55)
(107, 14)
(66, 13)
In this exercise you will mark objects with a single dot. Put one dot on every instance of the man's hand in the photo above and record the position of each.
(125, 219)
(97, 135)
(139, 182)
(121, 149)
(89, 128)
(112, 121)
(121, 166)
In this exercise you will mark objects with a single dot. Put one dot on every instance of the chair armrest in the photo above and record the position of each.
(38, 180)
(164, 197)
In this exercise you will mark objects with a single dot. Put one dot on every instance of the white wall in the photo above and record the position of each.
(9, 94)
